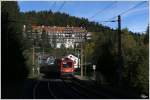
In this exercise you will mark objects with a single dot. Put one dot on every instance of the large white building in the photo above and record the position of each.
(60, 36)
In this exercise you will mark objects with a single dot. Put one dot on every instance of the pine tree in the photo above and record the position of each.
(13, 64)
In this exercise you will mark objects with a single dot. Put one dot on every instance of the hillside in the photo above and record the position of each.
(50, 18)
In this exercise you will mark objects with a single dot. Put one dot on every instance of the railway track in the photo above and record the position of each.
(64, 89)
(85, 90)
(64, 92)
(93, 91)
(69, 89)
(72, 88)
(107, 92)
(78, 90)
(55, 89)
(42, 90)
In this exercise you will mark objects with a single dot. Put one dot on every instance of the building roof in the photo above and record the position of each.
(55, 29)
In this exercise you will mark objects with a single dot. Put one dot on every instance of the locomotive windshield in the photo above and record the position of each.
(68, 64)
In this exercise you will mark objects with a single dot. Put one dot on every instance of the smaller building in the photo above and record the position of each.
(75, 59)
(45, 59)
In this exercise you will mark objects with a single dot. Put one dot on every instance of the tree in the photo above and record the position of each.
(44, 38)
(13, 67)
(135, 71)
(27, 40)
(88, 50)
(104, 53)
(146, 37)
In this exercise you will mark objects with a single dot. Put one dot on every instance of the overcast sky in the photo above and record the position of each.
(135, 20)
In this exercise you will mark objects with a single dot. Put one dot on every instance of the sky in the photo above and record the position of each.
(136, 20)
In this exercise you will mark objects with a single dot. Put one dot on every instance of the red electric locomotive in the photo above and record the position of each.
(66, 66)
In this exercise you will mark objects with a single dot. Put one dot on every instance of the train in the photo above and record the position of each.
(65, 66)
(58, 67)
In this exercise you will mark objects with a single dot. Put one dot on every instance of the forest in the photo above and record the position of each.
(101, 50)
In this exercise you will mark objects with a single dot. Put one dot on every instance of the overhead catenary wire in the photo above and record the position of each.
(111, 19)
(132, 8)
(108, 6)
(61, 6)
(53, 5)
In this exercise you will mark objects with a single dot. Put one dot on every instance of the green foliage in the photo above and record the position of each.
(135, 62)
(102, 51)
(88, 50)
(14, 70)
(11, 31)
(10, 15)
(27, 35)
(44, 42)
(146, 37)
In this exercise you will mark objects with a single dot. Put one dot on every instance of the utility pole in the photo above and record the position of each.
(85, 38)
(81, 57)
(43, 51)
(120, 59)
(85, 63)
(33, 59)
(78, 57)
